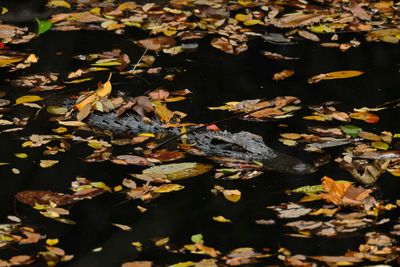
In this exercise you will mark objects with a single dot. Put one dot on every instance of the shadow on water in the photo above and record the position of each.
(214, 78)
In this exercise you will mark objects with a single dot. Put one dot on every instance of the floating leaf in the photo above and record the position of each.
(43, 25)
(52, 242)
(162, 242)
(72, 123)
(221, 219)
(177, 171)
(335, 75)
(197, 238)
(351, 130)
(27, 99)
(6, 60)
(380, 145)
(365, 116)
(57, 110)
(59, 3)
(166, 188)
(44, 197)
(123, 227)
(21, 155)
(282, 75)
(48, 163)
(232, 195)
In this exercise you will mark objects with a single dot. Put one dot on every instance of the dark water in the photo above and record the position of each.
(214, 78)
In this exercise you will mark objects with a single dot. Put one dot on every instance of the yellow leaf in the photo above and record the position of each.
(91, 99)
(245, 2)
(310, 198)
(328, 212)
(128, 5)
(27, 99)
(52, 242)
(162, 241)
(221, 219)
(21, 155)
(380, 145)
(80, 80)
(60, 130)
(232, 195)
(60, 3)
(5, 60)
(4, 163)
(95, 145)
(147, 134)
(169, 32)
(335, 75)
(166, 188)
(57, 110)
(101, 185)
(242, 17)
(251, 22)
(47, 163)
(175, 99)
(95, 10)
(3, 10)
(394, 172)
(117, 188)
(107, 64)
(163, 112)
(314, 117)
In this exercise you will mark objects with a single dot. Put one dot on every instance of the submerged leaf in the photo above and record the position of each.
(177, 171)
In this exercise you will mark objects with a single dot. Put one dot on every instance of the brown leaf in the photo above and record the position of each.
(44, 198)
(131, 159)
(137, 264)
(159, 94)
(296, 20)
(157, 43)
(282, 75)
(140, 104)
(308, 35)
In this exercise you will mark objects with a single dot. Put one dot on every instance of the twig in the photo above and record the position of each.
(208, 124)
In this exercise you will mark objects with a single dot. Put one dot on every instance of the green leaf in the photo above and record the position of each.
(197, 238)
(43, 25)
(351, 130)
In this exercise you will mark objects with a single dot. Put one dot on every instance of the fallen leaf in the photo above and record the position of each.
(177, 171)
(335, 75)
(282, 75)
(232, 195)
(365, 116)
(47, 163)
(27, 99)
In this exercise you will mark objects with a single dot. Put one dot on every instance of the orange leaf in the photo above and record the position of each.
(101, 92)
(365, 116)
(334, 190)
